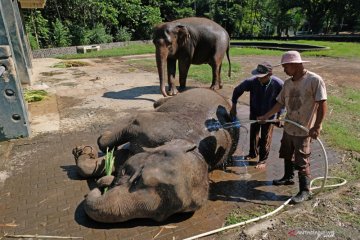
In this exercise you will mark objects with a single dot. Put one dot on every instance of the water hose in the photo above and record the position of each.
(235, 124)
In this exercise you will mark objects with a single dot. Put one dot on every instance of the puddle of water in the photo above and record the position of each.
(78, 74)
(52, 73)
(68, 84)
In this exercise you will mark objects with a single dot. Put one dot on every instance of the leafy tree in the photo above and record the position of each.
(61, 34)
(37, 28)
(96, 21)
(79, 35)
(228, 14)
(123, 35)
(98, 35)
(150, 16)
(345, 14)
(32, 41)
(315, 11)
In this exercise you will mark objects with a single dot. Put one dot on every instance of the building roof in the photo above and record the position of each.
(32, 3)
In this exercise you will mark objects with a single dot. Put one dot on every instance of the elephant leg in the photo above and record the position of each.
(184, 66)
(121, 156)
(216, 71)
(171, 66)
(116, 137)
(105, 181)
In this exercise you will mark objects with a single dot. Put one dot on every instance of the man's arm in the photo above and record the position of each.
(276, 108)
(238, 91)
(314, 132)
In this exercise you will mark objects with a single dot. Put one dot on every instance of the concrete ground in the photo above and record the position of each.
(41, 193)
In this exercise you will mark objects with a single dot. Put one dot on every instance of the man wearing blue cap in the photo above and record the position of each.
(263, 88)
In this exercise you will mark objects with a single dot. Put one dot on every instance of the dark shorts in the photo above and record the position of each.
(296, 147)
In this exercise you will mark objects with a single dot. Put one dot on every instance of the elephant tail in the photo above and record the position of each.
(228, 58)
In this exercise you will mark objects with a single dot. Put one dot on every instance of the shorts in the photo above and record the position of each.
(297, 148)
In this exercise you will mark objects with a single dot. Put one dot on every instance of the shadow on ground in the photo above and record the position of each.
(133, 93)
(82, 219)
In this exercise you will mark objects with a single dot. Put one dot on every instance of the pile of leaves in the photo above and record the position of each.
(34, 95)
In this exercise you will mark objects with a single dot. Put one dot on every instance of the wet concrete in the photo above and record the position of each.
(41, 193)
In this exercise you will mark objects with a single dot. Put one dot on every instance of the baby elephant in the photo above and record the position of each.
(162, 159)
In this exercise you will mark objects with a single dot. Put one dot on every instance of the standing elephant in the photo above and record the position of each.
(190, 41)
(162, 159)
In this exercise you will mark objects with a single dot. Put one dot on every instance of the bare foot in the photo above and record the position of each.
(260, 165)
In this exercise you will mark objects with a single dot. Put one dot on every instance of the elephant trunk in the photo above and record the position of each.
(161, 57)
(119, 205)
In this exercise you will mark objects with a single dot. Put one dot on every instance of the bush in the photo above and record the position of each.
(33, 43)
(79, 35)
(99, 35)
(61, 34)
(123, 35)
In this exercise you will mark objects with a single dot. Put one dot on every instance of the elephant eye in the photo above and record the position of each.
(135, 184)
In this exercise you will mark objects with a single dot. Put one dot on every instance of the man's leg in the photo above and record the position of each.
(254, 140)
(302, 164)
(286, 152)
(265, 141)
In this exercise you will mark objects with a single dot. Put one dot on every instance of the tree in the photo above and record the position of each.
(315, 11)
(61, 34)
(98, 34)
(37, 28)
(227, 13)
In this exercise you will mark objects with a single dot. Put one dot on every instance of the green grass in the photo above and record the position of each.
(342, 125)
(131, 49)
(201, 73)
(336, 49)
(240, 51)
(34, 95)
(241, 215)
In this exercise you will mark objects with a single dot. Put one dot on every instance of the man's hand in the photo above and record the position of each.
(262, 119)
(279, 123)
(314, 132)
(233, 111)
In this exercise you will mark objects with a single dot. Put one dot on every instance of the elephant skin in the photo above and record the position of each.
(189, 41)
(164, 168)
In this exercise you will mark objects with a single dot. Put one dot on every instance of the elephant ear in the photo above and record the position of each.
(183, 34)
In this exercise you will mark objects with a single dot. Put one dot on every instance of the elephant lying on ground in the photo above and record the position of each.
(189, 41)
(163, 167)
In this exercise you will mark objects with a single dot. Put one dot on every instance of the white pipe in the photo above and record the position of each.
(325, 177)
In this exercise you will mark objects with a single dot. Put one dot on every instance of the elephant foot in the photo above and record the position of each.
(84, 150)
(105, 181)
(181, 89)
(172, 93)
(214, 87)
